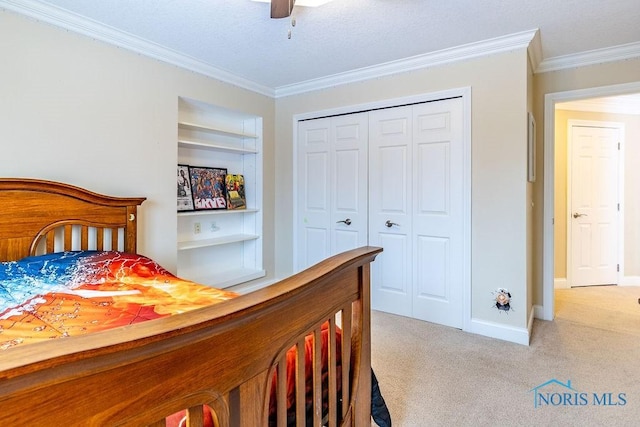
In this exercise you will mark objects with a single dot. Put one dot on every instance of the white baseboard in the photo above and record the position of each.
(501, 331)
(629, 281)
(538, 312)
(560, 283)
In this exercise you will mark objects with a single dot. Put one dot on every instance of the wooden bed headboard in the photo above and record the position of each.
(81, 219)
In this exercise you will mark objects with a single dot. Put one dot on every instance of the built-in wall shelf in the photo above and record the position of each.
(215, 241)
(216, 130)
(231, 277)
(183, 143)
(218, 212)
(221, 247)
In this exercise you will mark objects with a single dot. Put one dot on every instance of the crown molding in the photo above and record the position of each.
(525, 39)
(78, 24)
(535, 50)
(472, 50)
(597, 56)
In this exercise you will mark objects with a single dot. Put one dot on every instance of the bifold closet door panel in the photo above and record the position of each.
(437, 214)
(331, 187)
(313, 192)
(390, 206)
(349, 188)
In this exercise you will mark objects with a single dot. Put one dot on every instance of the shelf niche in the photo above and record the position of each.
(221, 248)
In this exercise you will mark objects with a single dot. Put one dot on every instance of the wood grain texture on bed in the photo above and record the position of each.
(33, 211)
(226, 356)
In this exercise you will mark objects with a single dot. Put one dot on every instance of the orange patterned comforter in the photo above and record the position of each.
(74, 293)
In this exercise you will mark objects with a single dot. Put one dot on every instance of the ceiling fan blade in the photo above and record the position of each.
(281, 8)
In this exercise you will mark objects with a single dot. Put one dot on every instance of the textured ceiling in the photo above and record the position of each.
(237, 36)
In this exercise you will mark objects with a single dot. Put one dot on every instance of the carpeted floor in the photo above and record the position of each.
(431, 375)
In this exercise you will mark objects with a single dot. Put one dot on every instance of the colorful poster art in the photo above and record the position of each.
(208, 187)
(236, 198)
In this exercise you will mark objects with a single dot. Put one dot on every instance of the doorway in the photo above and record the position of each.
(550, 221)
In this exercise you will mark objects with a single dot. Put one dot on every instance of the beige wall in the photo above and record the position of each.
(499, 107)
(80, 111)
(77, 110)
(631, 205)
(593, 76)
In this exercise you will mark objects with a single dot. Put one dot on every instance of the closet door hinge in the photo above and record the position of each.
(618, 268)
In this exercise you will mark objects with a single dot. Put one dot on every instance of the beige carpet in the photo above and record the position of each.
(432, 375)
(614, 308)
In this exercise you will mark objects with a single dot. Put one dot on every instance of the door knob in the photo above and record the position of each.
(346, 221)
(577, 215)
(390, 224)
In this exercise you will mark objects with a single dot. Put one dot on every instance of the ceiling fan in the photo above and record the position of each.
(283, 8)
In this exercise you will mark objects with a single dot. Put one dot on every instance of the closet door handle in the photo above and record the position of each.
(346, 221)
(390, 224)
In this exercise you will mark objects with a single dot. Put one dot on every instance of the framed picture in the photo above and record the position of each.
(531, 148)
(185, 197)
(208, 187)
(236, 198)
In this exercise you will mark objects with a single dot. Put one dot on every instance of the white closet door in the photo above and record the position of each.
(415, 197)
(438, 212)
(332, 187)
(313, 187)
(416, 211)
(349, 199)
(390, 207)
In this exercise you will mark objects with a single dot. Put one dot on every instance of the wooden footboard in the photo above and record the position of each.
(227, 356)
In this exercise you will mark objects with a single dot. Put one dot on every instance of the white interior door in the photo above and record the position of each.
(593, 207)
(331, 187)
(313, 188)
(349, 199)
(438, 232)
(390, 207)
(416, 170)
